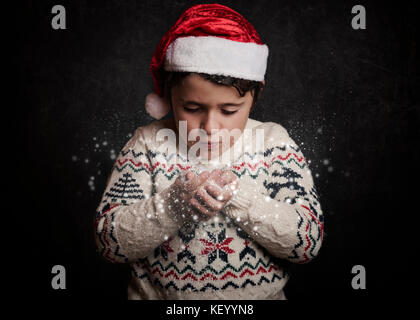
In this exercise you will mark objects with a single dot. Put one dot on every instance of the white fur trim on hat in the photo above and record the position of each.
(214, 55)
(156, 106)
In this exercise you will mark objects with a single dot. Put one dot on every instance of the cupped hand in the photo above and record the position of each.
(214, 192)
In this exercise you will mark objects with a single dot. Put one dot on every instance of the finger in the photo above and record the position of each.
(213, 190)
(216, 177)
(218, 193)
(227, 193)
(228, 176)
(232, 186)
(203, 177)
(201, 208)
(192, 184)
(208, 200)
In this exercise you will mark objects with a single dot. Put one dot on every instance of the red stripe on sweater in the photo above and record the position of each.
(121, 163)
(245, 272)
(228, 274)
(208, 275)
(261, 269)
(172, 273)
(253, 167)
(189, 275)
(321, 225)
(309, 243)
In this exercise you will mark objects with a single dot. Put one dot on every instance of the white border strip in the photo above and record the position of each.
(214, 55)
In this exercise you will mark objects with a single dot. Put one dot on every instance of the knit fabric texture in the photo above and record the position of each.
(273, 220)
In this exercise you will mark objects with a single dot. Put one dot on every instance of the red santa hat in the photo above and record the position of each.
(207, 38)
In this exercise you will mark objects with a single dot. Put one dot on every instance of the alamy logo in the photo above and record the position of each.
(59, 20)
(59, 280)
(359, 20)
(198, 141)
(359, 280)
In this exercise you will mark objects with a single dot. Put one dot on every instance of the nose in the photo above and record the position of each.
(209, 122)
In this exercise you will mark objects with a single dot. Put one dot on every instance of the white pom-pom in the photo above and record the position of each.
(156, 106)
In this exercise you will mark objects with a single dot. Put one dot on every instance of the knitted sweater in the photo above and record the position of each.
(242, 253)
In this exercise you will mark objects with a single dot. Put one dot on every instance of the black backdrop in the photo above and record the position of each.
(348, 97)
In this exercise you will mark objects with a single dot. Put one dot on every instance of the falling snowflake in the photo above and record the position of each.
(91, 183)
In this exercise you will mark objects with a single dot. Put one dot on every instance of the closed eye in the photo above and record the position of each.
(191, 110)
(228, 112)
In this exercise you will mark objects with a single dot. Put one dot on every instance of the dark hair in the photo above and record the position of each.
(172, 79)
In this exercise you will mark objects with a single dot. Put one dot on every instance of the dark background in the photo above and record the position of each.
(348, 97)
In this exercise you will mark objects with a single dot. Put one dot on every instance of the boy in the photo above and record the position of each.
(189, 227)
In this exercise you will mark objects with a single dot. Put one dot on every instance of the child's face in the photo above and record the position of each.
(209, 106)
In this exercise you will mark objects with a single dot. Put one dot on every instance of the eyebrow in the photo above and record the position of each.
(226, 104)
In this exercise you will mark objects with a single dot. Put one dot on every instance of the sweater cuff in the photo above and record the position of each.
(240, 203)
